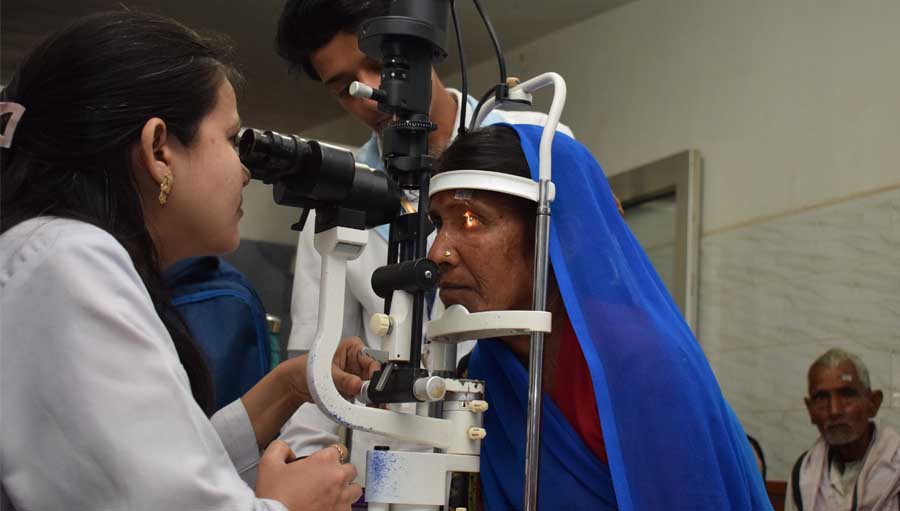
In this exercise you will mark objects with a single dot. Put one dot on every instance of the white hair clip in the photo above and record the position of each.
(15, 112)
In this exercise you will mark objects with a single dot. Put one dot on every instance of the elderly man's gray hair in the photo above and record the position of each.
(833, 358)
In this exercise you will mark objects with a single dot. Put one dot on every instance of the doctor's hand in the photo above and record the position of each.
(272, 401)
(319, 482)
(349, 368)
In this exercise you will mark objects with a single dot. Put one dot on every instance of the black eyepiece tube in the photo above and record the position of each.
(270, 155)
(312, 174)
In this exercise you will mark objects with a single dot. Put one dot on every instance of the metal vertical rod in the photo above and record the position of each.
(420, 249)
(536, 355)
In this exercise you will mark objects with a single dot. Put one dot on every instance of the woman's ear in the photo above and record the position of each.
(154, 151)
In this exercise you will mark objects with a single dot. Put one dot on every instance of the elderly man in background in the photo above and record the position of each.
(854, 464)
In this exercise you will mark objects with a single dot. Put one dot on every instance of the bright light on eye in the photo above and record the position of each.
(471, 220)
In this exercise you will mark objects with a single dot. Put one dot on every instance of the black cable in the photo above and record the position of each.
(501, 60)
(462, 62)
(480, 103)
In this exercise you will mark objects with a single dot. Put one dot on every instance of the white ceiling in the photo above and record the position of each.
(272, 97)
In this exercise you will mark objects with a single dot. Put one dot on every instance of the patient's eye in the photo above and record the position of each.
(471, 220)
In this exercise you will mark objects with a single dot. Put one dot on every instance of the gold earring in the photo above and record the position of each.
(165, 188)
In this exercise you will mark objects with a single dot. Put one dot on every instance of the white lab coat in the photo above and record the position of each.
(97, 411)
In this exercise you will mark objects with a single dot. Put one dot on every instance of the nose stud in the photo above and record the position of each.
(446, 253)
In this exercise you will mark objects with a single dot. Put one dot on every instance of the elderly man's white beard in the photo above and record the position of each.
(840, 434)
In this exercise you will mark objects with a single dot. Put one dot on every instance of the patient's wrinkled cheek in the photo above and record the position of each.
(504, 268)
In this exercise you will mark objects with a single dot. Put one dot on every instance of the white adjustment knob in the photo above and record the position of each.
(360, 90)
(477, 433)
(431, 388)
(478, 406)
(380, 324)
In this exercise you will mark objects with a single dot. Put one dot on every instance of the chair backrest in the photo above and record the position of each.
(226, 318)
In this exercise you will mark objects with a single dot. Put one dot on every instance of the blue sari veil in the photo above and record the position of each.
(672, 440)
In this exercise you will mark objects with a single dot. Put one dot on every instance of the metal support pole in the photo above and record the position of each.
(536, 356)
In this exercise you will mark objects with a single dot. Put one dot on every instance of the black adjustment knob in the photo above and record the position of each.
(409, 276)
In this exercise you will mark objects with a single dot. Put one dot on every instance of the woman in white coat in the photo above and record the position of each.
(117, 159)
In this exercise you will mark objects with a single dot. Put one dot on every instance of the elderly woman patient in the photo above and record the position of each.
(633, 418)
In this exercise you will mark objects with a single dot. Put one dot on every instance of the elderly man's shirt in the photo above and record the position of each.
(875, 479)
(842, 482)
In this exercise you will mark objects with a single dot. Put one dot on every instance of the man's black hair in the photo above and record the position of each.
(307, 25)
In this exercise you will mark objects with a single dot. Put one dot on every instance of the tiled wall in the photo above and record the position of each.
(777, 293)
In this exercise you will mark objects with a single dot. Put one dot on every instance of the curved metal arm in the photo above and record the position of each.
(556, 108)
(337, 246)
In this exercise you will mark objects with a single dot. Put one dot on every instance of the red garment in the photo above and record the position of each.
(573, 394)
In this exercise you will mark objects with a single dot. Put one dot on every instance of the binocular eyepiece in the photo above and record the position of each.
(270, 155)
(311, 174)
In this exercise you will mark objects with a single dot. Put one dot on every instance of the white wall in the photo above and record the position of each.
(791, 102)
(264, 220)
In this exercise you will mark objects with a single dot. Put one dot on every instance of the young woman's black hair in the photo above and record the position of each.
(88, 91)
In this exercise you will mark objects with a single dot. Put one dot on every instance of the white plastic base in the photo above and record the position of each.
(412, 478)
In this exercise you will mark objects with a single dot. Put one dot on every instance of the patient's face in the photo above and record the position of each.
(489, 241)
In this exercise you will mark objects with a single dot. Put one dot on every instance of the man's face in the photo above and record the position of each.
(839, 405)
(339, 63)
